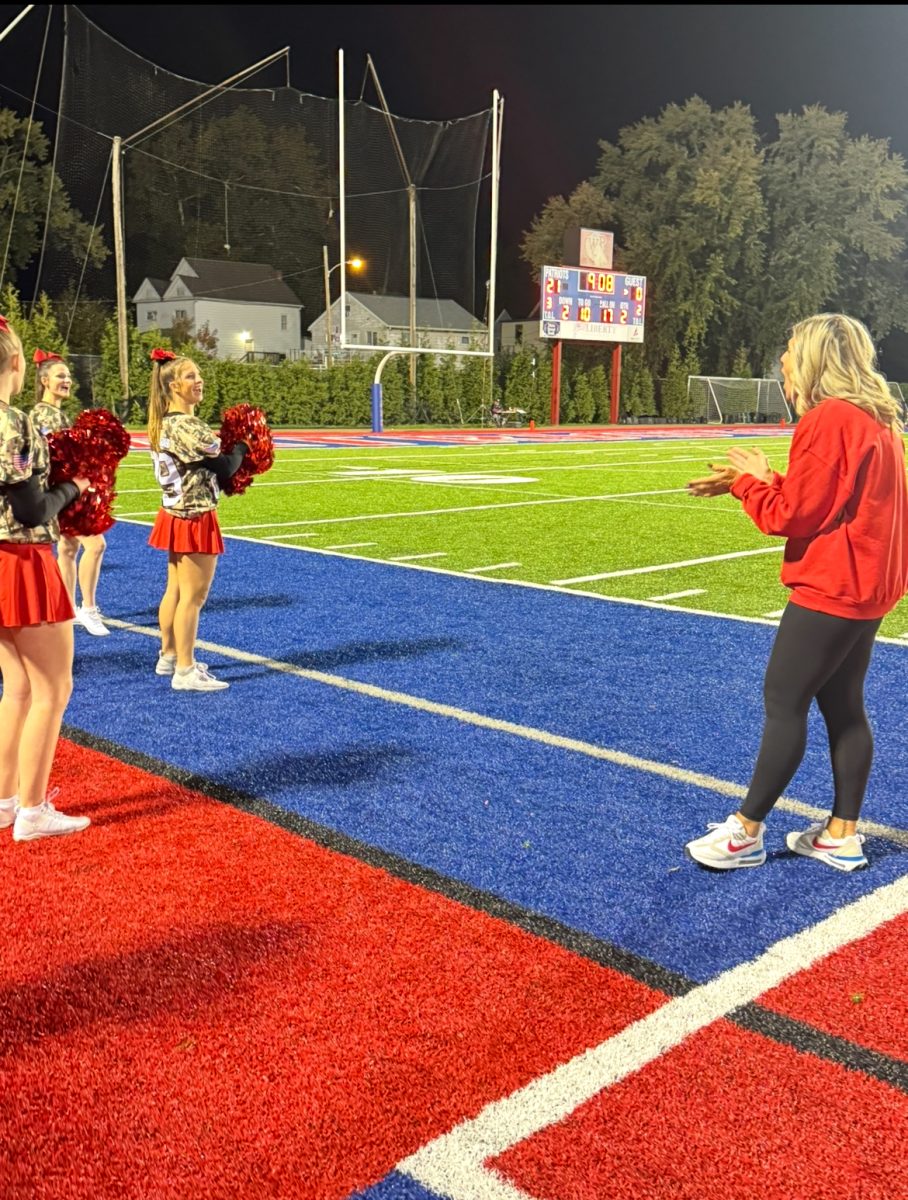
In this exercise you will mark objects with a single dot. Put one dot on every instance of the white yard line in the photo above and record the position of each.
(492, 581)
(348, 546)
(454, 1164)
(680, 595)
(414, 557)
(672, 566)
(774, 616)
(493, 567)
(543, 737)
(440, 512)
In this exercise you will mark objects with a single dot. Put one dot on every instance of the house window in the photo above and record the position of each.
(283, 322)
(464, 341)
(372, 338)
(347, 309)
(518, 335)
(179, 314)
(152, 314)
(354, 337)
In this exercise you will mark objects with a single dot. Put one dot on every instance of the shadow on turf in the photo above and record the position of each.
(216, 604)
(351, 653)
(341, 768)
(174, 977)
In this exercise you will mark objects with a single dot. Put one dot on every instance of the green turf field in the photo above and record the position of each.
(611, 519)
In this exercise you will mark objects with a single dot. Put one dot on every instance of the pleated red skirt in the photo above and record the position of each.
(187, 535)
(32, 591)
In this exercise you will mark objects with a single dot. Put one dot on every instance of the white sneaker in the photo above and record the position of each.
(8, 811)
(728, 845)
(199, 679)
(90, 619)
(845, 854)
(45, 821)
(167, 665)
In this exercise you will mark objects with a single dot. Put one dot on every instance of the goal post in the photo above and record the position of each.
(726, 400)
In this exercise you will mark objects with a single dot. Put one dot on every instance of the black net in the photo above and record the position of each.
(250, 175)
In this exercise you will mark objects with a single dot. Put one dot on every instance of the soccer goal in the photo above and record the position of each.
(899, 395)
(719, 400)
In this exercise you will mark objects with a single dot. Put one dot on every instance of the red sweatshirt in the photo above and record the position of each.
(843, 507)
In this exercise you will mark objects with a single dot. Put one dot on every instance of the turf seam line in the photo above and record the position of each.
(585, 945)
(642, 970)
(556, 741)
(810, 1040)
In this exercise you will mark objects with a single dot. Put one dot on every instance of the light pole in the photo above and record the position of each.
(355, 264)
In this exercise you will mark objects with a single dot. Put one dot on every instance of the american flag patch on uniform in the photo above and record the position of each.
(22, 462)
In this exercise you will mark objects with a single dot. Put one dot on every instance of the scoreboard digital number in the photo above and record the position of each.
(585, 305)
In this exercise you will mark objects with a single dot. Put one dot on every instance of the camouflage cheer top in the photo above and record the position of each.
(23, 453)
(48, 418)
(189, 489)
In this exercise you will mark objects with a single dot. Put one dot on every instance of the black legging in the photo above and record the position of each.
(815, 656)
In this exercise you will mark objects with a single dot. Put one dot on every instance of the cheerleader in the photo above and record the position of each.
(53, 385)
(36, 615)
(189, 466)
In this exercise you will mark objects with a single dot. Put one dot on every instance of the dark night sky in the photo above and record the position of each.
(570, 75)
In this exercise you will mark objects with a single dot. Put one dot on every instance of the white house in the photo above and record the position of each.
(247, 305)
(511, 335)
(385, 321)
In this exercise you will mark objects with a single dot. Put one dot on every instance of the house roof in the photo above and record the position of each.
(220, 279)
(394, 311)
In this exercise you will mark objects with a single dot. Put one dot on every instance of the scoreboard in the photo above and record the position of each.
(583, 304)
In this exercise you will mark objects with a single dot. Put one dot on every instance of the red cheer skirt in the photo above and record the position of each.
(187, 535)
(32, 591)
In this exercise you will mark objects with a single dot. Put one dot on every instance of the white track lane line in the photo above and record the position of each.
(453, 1164)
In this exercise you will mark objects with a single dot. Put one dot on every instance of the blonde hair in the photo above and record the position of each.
(41, 372)
(163, 376)
(832, 355)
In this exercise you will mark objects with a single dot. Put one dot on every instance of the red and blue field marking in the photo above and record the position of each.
(359, 922)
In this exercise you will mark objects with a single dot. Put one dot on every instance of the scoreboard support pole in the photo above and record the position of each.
(615, 406)
(554, 415)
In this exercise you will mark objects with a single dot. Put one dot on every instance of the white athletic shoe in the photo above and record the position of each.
(8, 811)
(728, 845)
(167, 665)
(198, 679)
(45, 821)
(90, 620)
(845, 854)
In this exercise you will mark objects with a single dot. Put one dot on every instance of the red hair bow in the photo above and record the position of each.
(43, 356)
(4, 325)
(162, 356)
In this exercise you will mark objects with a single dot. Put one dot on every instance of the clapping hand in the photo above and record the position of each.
(751, 462)
(717, 484)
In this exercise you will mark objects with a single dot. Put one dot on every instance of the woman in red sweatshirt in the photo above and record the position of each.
(843, 506)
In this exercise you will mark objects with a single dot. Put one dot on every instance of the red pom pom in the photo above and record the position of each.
(91, 449)
(243, 423)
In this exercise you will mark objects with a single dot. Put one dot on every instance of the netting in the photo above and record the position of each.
(250, 175)
(728, 400)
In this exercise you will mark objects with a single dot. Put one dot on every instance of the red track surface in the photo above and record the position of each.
(196, 1003)
(728, 1115)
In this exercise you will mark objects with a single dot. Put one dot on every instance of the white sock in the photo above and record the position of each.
(185, 670)
(8, 799)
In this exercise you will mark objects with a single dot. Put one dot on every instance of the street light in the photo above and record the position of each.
(355, 264)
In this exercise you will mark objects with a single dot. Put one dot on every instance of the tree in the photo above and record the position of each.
(690, 215)
(837, 229)
(586, 207)
(25, 205)
(82, 320)
(190, 194)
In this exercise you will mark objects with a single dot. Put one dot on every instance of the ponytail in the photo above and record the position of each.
(165, 367)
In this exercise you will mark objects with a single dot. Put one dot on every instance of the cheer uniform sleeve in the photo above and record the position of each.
(33, 506)
(225, 466)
